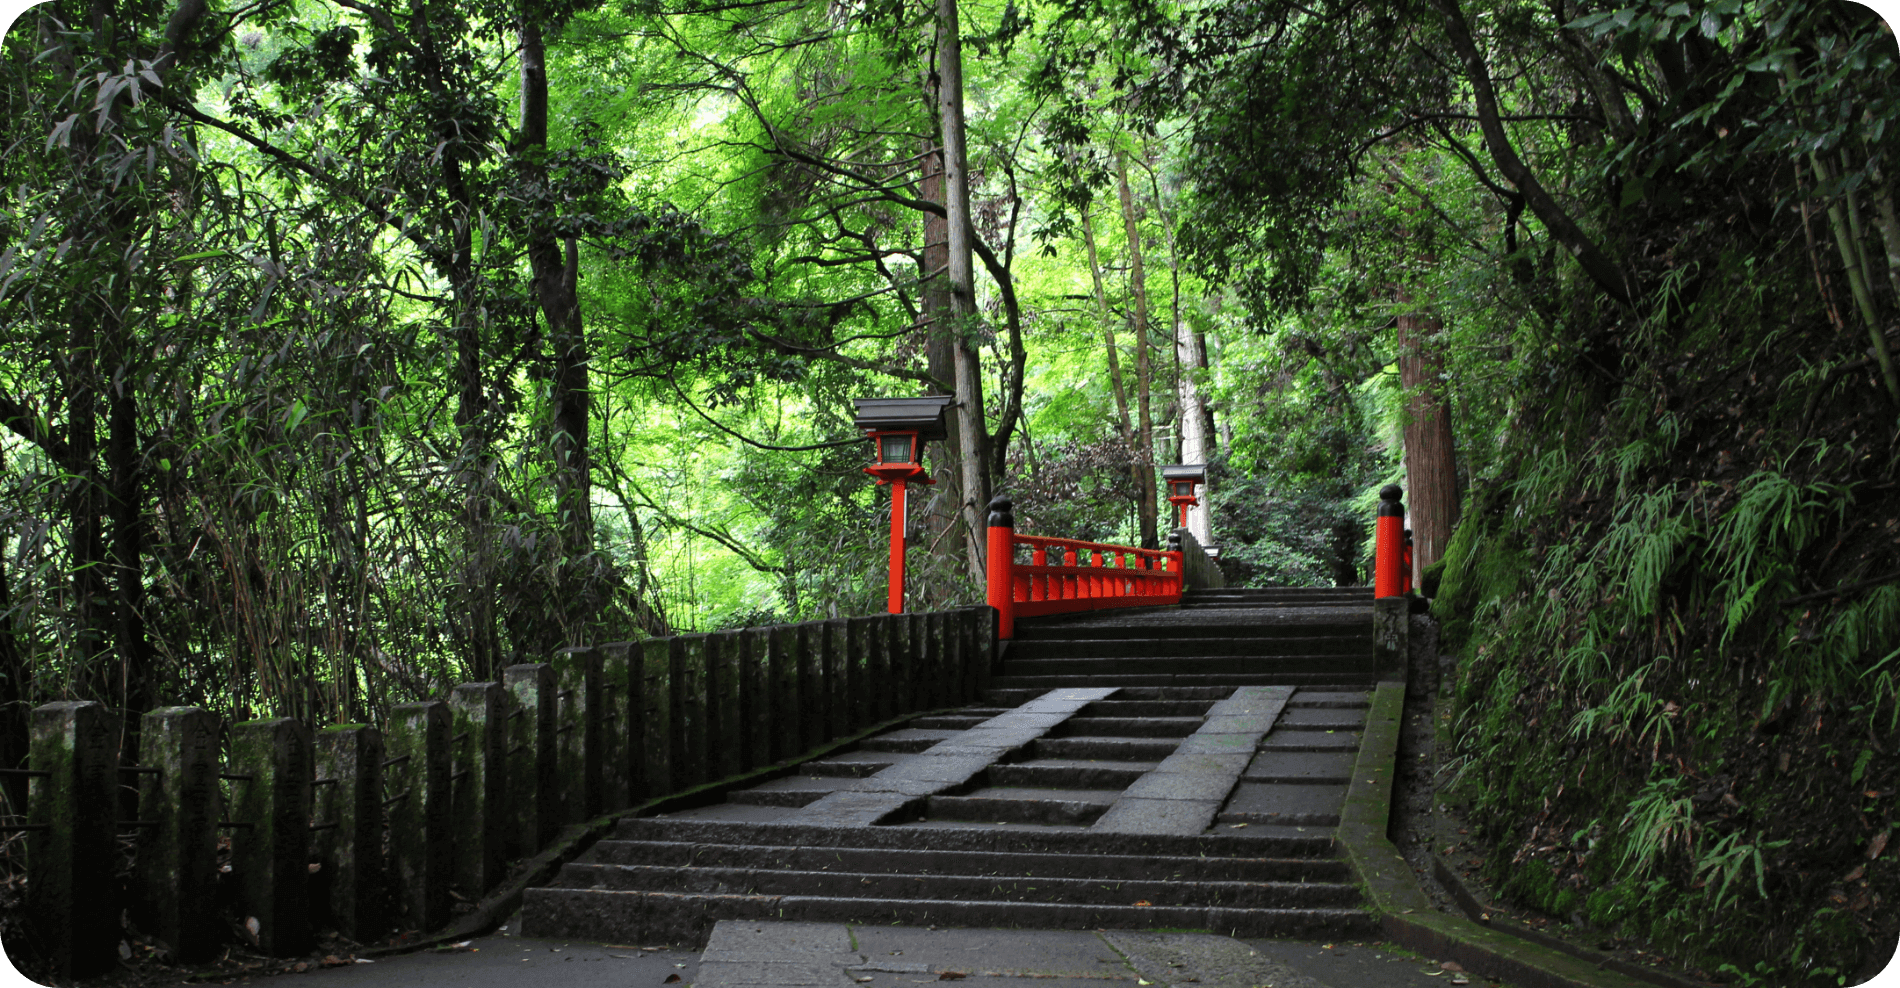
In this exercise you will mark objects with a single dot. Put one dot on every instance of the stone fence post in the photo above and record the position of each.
(178, 852)
(75, 916)
(620, 747)
(577, 677)
(421, 849)
(658, 716)
(347, 835)
(478, 783)
(270, 847)
(531, 759)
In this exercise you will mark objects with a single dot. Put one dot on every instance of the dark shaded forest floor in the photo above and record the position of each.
(1420, 830)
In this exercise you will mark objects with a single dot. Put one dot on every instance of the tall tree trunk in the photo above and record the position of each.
(972, 456)
(1127, 431)
(1431, 476)
(943, 517)
(1190, 360)
(1144, 373)
(556, 266)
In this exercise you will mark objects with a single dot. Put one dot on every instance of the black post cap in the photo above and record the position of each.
(1001, 515)
(1389, 506)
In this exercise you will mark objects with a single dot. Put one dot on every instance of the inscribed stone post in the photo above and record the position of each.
(620, 757)
(903, 664)
(270, 849)
(983, 639)
(577, 674)
(178, 853)
(351, 851)
(74, 916)
(530, 756)
(781, 663)
(656, 717)
(421, 842)
(808, 642)
(478, 786)
(756, 697)
(837, 660)
(725, 753)
(690, 765)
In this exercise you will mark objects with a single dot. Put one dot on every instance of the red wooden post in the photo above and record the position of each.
(1405, 565)
(1389, 544)
(897, 546)
(1002, 565)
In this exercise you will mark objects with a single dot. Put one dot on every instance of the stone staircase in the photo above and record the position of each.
(1178, 767)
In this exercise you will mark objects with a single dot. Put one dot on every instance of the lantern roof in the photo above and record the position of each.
(923, 416)
(1190, 472)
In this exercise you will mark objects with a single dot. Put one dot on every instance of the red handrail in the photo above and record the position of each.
(1084, 576)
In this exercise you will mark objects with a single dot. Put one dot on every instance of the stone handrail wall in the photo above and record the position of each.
(1198, 569)
(462, 787)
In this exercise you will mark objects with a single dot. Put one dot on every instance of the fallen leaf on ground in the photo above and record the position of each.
(1450, 966)
(1143, 902)
(951, 976)
(1877, 845)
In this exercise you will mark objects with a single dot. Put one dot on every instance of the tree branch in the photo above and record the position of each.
(1598, 265)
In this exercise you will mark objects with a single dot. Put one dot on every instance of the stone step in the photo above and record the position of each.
(1337, 666)
(1054, 843)
(1069, 773)
(1158, 628)
(1309, 697)
(672, 917)
(791, 791)
(950, 722)
(934, 861)
(1105, 748)
(1008, 804)
(1173, 648)
(1300, 767)
(994, 887)
(856, 764)
(1119, 707)
(1084, 725)
(1283, 804)
(1323, 718)
(1281, 739)
(1038, 684)
(908, 739)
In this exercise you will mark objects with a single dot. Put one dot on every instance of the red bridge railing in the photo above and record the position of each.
(1065, 575)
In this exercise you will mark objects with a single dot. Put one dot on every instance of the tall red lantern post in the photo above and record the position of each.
(1181, 478)
(899, 428)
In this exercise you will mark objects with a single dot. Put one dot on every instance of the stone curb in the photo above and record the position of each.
(498, 905)
(1405, 914)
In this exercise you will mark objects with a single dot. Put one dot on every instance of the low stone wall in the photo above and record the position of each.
(460, 788)
(1198, 569)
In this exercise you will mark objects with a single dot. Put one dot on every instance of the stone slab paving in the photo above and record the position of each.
(742, 954)
(1181, 796)
(947, 765)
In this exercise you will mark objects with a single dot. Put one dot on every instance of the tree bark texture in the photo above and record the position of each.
(1431, 476)
(556, 265)
(1144, 371)
(972, 457)
(942, 515)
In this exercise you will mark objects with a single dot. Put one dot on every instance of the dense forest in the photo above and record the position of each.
(349, 349)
